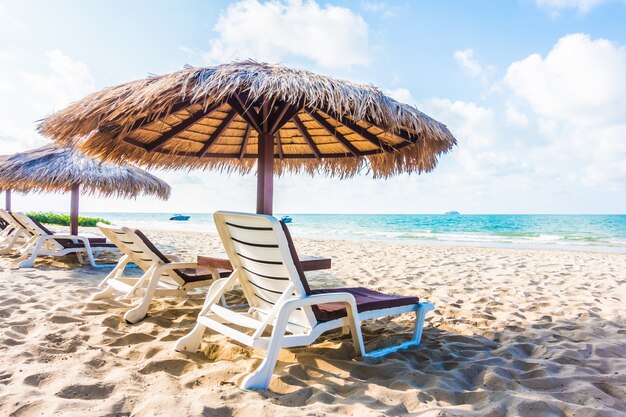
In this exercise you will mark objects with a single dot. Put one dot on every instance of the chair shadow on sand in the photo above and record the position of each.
(514, 369)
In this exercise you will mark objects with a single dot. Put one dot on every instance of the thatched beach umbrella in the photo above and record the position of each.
(51, 168)
(230, 116)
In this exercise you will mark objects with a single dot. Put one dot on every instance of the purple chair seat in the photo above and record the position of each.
(366, 300)
(94, 242)
(188, 274)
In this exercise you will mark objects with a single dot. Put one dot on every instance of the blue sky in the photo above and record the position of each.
(534, 90)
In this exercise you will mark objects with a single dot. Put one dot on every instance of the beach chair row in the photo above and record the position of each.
(30, 239)
(281, 311)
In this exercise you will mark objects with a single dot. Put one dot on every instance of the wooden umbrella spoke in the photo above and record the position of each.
(364, 133)
(289, 112)
(181, 127)
(218, 132)
(401, 133)
(332, 130)
(149, 119)
(267, 109)
(277, 116)
(244, 143)
(305, 134)
(279, 145)
(247, 112)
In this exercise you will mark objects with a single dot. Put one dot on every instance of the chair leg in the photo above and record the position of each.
(92, 260)
(9, 247)
(146, 276)
(357, 336)
(108, 292)
(79, 256)
(115, 272)
(30, 261)
(30, 242)
(138, 313)
(260, 378)
(420, 315)
(191, 342)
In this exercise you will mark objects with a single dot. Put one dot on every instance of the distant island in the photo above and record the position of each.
(450, 213)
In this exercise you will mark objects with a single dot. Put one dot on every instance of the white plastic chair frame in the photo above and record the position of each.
(158, 279)
(43, 244)
(13, 236)
(291, 316)
(4, 215)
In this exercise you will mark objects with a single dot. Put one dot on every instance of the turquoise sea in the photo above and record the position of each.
(603, 233)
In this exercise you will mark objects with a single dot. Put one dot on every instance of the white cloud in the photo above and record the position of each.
(514, 117)
(402, 95)
(594, 155)
(472, 67)
(15, 136)
(472, 124)
(580, 5)
(380, 8)
(577, 96)
(330, 36)
(68, 80)
(60, 81)
(580, 81)
(485, 149)
(8, 21)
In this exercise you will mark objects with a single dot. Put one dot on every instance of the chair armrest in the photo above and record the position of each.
(215, 262)
(60, 236)
(180, 265)
(83, 239)
(309, 300)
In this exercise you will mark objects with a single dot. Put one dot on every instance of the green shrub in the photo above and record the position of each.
(64, 219)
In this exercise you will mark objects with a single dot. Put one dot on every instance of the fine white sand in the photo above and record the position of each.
(515, 333)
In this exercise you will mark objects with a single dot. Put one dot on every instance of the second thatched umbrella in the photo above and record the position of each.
(233, 115)
(51, 168)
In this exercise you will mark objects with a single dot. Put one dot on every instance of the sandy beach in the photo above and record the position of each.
(515, 333)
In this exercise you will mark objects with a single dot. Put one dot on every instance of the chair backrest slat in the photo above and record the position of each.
(139, 249)
(258, 247)
(3, 215)
(8, 219)
(35, 228)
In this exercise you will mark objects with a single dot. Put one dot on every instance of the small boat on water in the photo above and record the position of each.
(179, 217)
(286, 219)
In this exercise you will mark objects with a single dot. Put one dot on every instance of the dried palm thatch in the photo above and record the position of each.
(212, 118)
(51, 168)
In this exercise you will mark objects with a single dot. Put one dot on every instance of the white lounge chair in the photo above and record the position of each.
(15, 236)
(47, 243)
(164, 275)
(5, 224)
(266, 266)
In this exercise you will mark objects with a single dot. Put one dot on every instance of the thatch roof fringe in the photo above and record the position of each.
(50, 168)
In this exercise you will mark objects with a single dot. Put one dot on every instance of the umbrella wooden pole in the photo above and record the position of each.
(7, 200)
(265, 174)
(74, 210)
